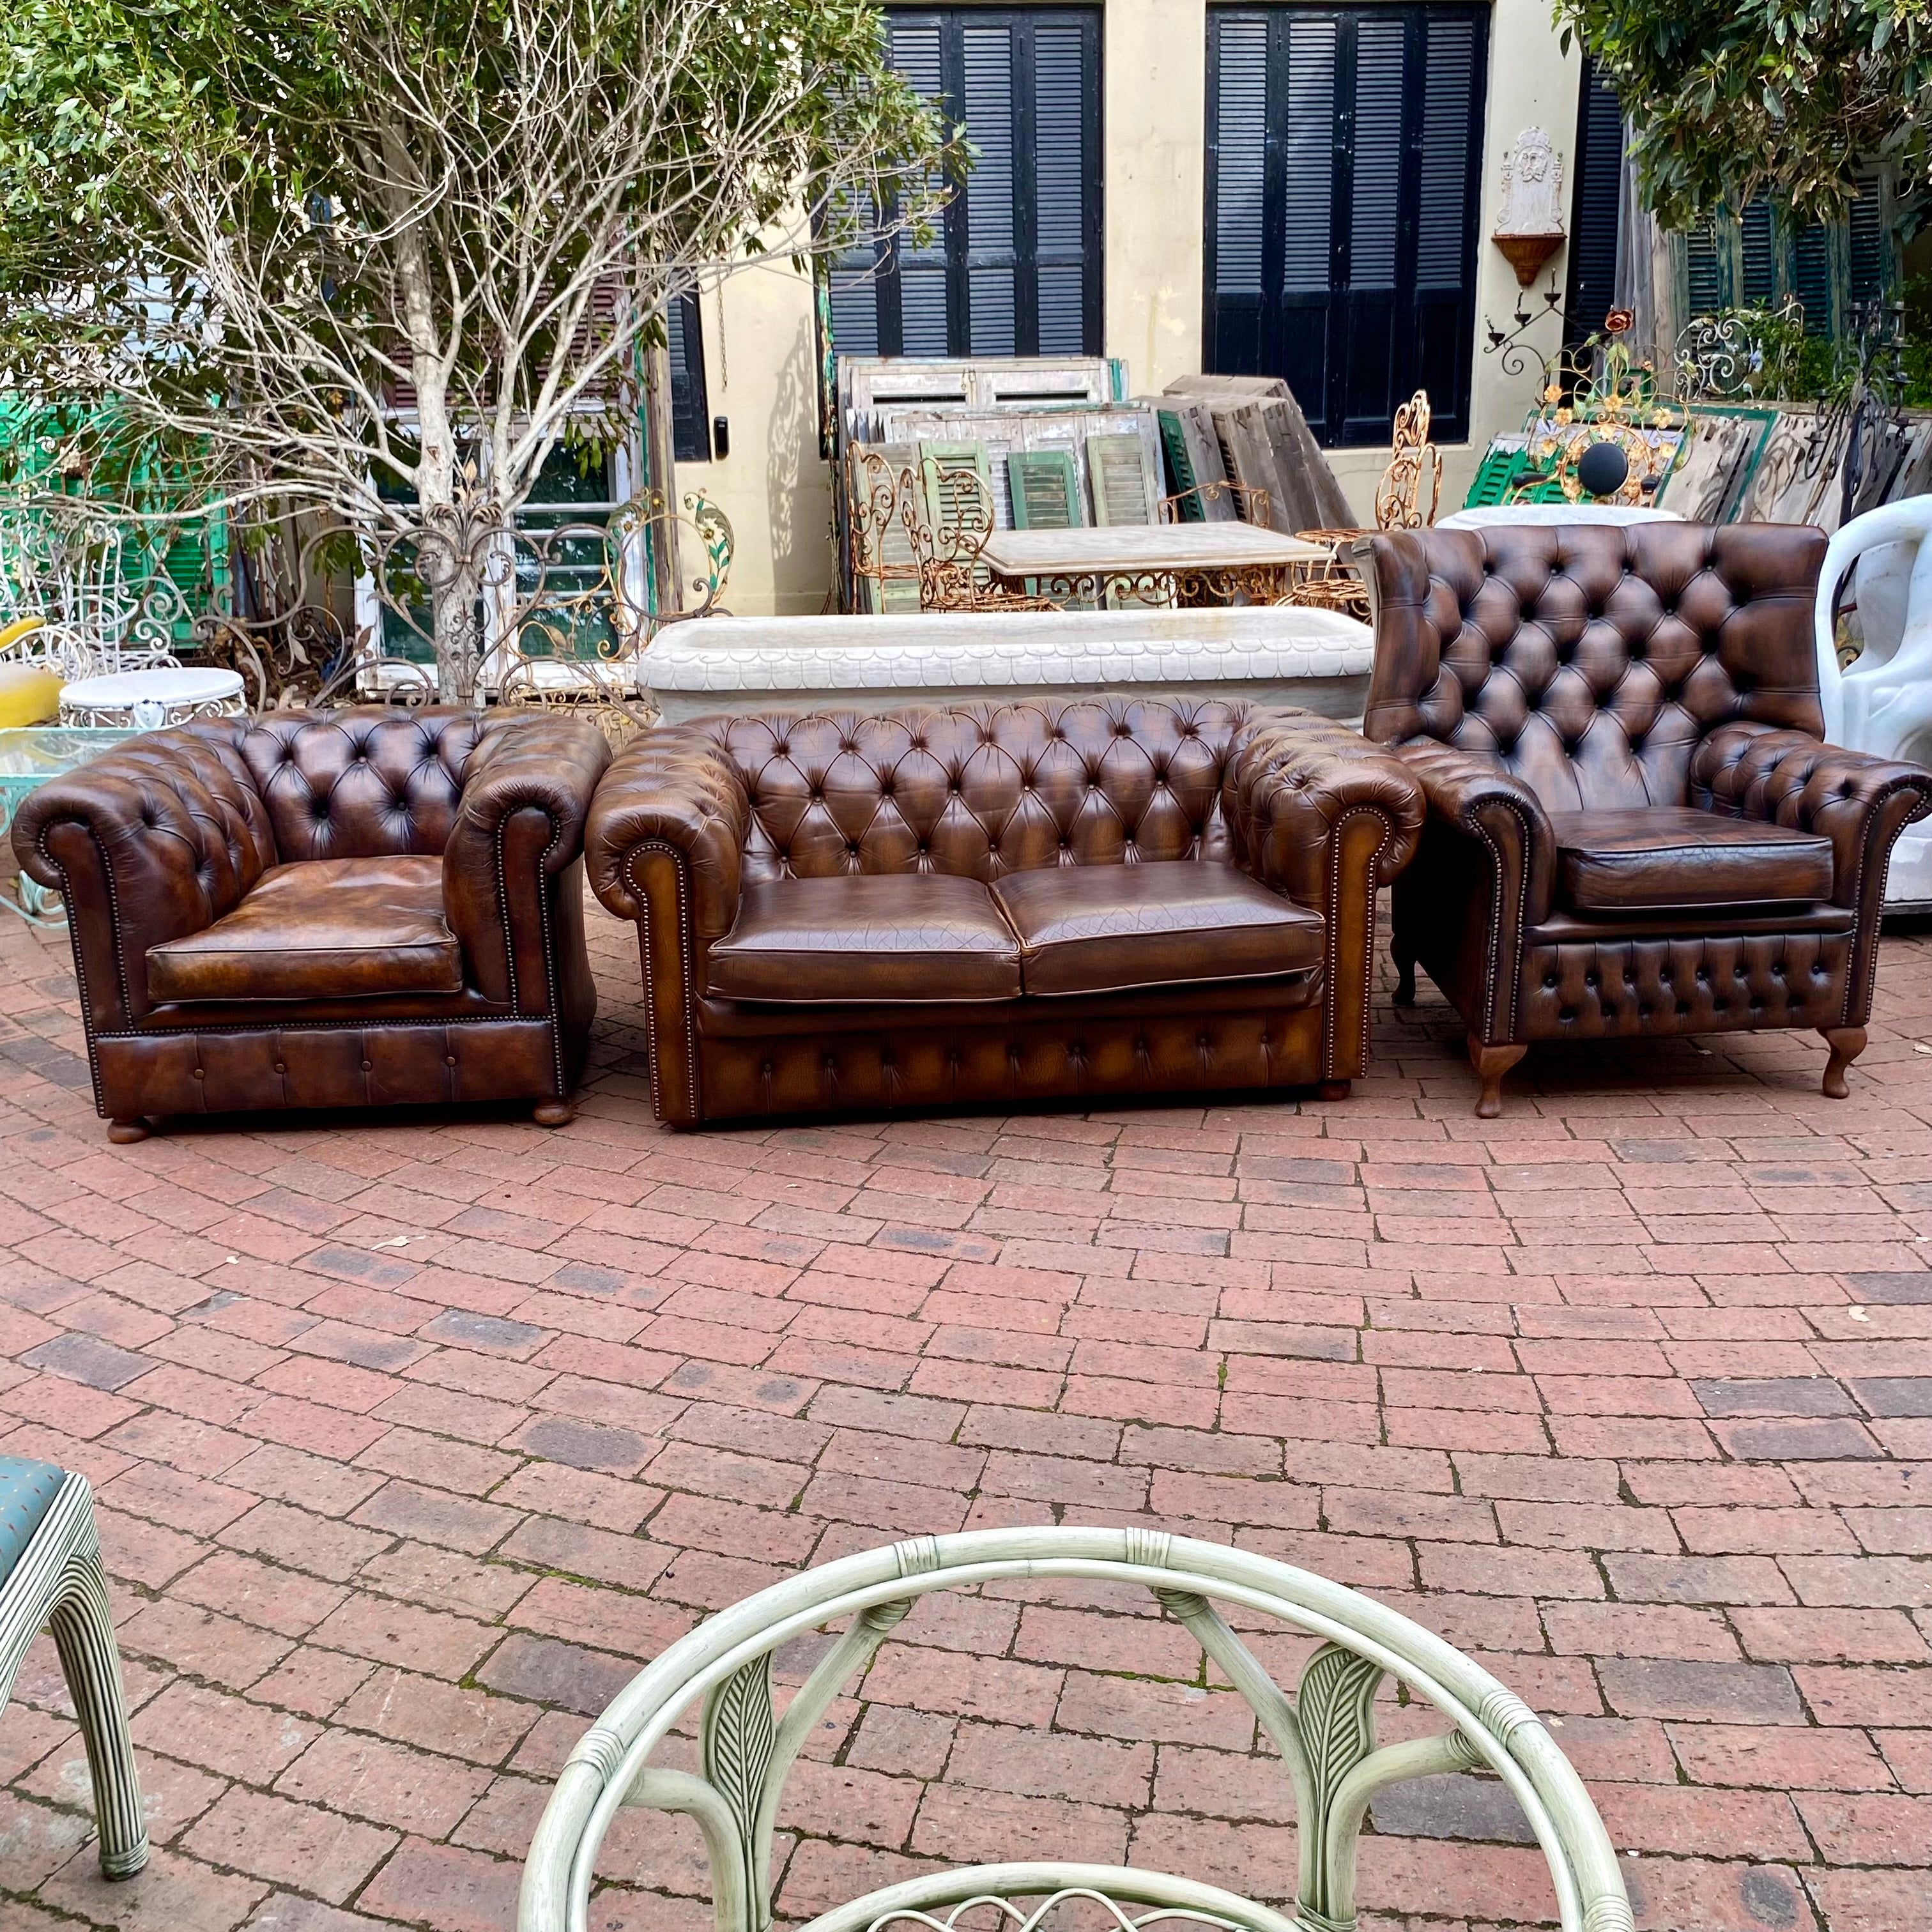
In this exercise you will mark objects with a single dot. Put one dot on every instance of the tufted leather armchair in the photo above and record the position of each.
(1635, 828)
(327, 909)
(1004, 903)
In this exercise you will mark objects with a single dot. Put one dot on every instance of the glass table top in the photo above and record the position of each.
(31, 754)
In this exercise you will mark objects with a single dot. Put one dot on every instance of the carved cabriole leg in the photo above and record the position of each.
(1405, 974)
(1491, 1063)
(1846, 1043)
(125, 1129)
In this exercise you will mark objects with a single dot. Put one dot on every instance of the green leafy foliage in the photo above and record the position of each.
(1730, 98)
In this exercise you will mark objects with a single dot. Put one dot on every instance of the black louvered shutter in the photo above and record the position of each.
(1865, 243)
(1066, 149)
(1596, 206)
(1811, 276)
(1013, 266)
(1757, 260)
(1705, 276)
(690, 407)
(914, 296)
(1343, 151)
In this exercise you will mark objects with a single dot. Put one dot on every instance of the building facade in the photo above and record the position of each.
(1302, 189)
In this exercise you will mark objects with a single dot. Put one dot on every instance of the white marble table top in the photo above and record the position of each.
(176, 686)
(1485, 514)
(1201, 546)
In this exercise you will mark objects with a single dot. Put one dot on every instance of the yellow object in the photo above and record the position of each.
(29, 694)
(10, 634)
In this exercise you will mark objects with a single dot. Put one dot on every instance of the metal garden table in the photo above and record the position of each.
(1151, 563)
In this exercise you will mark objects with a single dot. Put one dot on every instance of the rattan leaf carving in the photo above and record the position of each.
(739, 1732)
(1336, 1708)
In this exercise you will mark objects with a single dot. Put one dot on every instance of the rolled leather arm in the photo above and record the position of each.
(665, 848)
(153, 840)
(527, 786)
(1471, 792)
(537, 761)
(1860, 803)
(1321, 815)
(672, 787)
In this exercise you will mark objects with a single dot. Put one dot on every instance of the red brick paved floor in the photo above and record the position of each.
(413, 1436)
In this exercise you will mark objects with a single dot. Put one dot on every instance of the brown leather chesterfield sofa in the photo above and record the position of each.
(327, 909)
(999, 903)
(1634, 826)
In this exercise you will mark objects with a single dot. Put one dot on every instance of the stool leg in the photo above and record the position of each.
(84, 1634)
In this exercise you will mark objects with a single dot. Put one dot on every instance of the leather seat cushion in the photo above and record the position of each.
(899, 936)
(1661, 858)
(320, 929)
(1111, 929)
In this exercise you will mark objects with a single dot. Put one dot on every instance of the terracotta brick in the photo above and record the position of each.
(1776, 1757)
(433, 1641)
(445, 1888)
(173, 1891)
(289, 1844)
(388, 1782)
(416, 1710)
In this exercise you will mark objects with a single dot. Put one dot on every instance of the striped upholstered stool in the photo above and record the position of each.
(51, 1578)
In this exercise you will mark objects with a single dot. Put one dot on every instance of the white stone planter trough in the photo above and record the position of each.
(1270, 654)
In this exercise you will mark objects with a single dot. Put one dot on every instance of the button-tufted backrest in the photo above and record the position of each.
(980, 790)
(362, 783)
(1591, 659)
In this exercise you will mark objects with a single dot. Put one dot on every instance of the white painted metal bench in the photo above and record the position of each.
(1325, 1734)
(1271, 654)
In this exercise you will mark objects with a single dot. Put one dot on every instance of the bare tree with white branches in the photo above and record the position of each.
(394, 252)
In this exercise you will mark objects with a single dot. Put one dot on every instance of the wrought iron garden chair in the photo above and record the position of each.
(1251, 505)
(947, 513)
(1407, 497)
(73, 574)
(51, 1578)
(882, 548)
(1325, 1734)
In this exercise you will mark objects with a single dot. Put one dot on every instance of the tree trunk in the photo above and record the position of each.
(449, 559)
(449, 548)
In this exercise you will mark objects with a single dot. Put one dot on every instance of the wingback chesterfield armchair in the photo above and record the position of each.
(327, 909)
(1635, 828)
(999, 903)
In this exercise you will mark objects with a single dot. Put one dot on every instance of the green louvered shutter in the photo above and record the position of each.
(1118, 473)
(1046, 495)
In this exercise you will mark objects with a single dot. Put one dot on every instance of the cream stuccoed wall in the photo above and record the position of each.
(759, 343)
